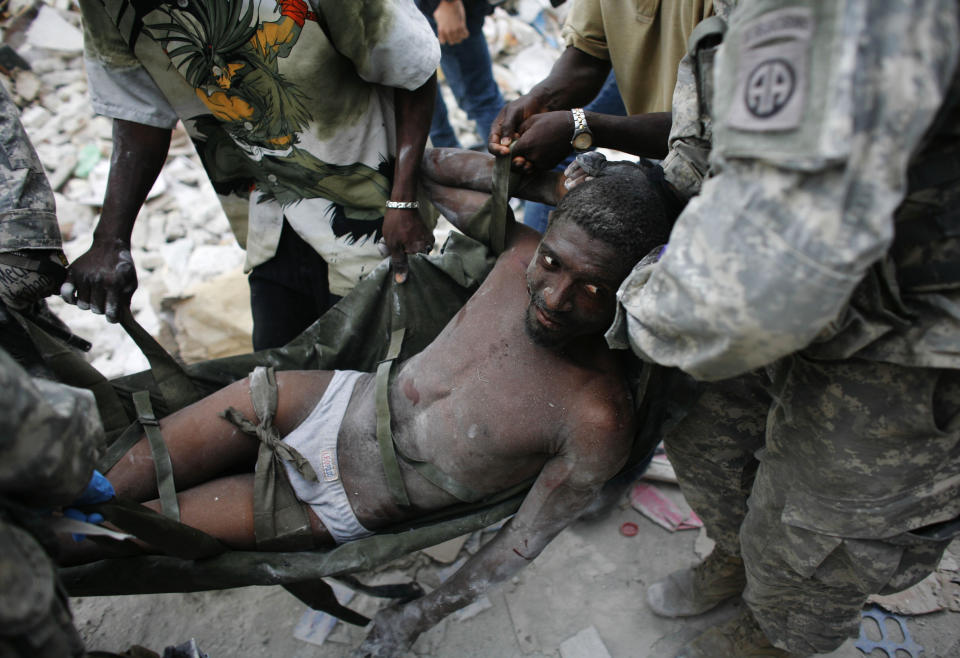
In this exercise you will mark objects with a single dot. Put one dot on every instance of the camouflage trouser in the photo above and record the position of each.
(35, 617)
(856, 459)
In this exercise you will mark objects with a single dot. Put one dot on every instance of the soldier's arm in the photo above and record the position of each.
(104, 278)
(564, 488)
(801, 205)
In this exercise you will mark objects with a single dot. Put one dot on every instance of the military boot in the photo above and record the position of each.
(740, 637)
(695, 590)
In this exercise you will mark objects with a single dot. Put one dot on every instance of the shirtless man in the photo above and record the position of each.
(464, 404)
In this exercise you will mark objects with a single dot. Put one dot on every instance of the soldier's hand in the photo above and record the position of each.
(102, 280)
(505, 128)
(404, 233)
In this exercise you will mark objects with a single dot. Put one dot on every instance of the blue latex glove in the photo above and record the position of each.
(97, 490)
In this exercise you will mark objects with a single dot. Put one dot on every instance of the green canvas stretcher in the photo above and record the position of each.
(354, 334)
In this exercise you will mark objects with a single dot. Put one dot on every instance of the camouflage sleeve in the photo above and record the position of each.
(120, 87)
(818, 108)
(27, 216)
(390, 42)
(49, 434)
(583, 29)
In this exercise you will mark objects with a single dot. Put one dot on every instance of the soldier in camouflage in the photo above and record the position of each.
(815, 275)
(48, 436)
(30, 256)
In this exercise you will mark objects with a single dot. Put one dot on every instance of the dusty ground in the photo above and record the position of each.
(590, 576)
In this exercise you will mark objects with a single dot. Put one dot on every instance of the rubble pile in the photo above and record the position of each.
(192, 294)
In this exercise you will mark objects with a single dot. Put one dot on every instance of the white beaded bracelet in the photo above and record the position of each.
(403, 204)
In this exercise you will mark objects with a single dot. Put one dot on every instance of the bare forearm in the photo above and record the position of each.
(574, 80)
(139, 152)
(471, 170)
(498, 561)
(645, 135)
(413, 110)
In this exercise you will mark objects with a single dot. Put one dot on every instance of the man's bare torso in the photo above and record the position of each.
(482, 402)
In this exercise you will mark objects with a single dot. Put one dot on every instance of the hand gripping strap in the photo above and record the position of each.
(388, 453)
(280, 521)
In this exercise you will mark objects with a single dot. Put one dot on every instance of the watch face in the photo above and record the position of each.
(583, 141)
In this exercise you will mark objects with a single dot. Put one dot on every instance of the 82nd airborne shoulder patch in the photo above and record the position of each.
(772, 65)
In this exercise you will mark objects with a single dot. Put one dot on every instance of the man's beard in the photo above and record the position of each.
(539, 334)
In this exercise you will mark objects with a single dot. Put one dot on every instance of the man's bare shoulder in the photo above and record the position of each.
(602, 428)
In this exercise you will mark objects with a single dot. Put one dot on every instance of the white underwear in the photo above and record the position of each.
(316, 439)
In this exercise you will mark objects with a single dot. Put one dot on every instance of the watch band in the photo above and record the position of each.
(582, 135)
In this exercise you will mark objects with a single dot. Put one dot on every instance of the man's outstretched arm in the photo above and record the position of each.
(459, 183)
(403, 230)
(565, 487)
(104, 278)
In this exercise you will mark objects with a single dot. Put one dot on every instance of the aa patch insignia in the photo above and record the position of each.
(772, 66)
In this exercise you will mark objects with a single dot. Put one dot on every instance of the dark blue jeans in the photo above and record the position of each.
(468, 70)
(288, 292)
(607, 101)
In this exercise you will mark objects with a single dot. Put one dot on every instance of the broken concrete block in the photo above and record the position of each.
(50, 30)
(585, 644)
(28, 85)
(448, 551)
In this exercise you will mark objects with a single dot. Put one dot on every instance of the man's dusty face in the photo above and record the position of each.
(572, 281)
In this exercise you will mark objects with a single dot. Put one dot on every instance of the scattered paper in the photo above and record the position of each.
(650, 501)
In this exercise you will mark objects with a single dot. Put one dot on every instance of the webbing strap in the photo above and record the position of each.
(70, 368)
(440, 479)
(175, 386)
(120, 447)
(388, 453)
(170, 536)
(161, 458)
(280, 521)
(499, 202)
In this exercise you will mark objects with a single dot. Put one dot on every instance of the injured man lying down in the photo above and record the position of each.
(519, 386)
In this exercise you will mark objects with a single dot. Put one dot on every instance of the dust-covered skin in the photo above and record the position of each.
(519, 385)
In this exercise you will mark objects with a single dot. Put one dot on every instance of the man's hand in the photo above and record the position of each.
(404, 233)
(506, 127)
(543, 140)
(103, 279)
(451, 21)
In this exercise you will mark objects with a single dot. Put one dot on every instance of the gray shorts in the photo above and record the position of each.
(316, 439)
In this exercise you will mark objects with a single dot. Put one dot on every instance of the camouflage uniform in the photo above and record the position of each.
(28, 219)
(48, 435)
(823, 250)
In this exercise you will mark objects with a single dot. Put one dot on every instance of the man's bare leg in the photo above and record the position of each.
(203, 446)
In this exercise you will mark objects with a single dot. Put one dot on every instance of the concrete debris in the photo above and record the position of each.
(585, 644)
(448, 551)
(51, 31)
(938, 591)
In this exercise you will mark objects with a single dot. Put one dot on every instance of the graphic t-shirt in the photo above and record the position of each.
(289, 104)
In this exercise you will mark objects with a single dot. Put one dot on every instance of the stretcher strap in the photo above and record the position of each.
(175, 385)
(435, 476)
(280, 521)
(161, 458)
(120, 447)
(388, 453)
(71, 368)
(499, 202)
